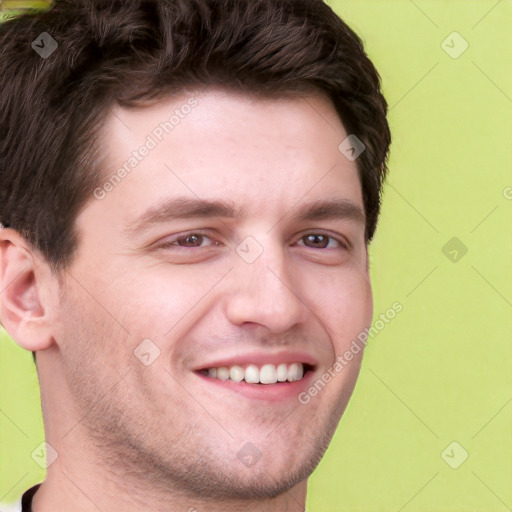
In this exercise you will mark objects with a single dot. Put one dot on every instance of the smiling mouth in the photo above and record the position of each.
(259, 374)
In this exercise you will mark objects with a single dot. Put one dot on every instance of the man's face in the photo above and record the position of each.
(152, 299)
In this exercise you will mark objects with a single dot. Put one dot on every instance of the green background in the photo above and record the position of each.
(440, 371)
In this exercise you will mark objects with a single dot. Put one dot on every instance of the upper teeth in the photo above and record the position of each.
(267, 374)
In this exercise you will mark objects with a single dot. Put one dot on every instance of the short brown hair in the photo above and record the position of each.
(129, 52)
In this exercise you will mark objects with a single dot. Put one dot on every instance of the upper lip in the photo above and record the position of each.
(261, 358)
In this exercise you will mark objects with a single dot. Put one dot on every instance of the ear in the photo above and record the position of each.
(25, 291)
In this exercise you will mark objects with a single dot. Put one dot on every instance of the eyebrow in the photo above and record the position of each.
(188, 208)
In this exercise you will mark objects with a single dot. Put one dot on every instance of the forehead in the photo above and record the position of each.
(217, 144)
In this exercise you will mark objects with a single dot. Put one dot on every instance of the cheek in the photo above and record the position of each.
(162, 299)
(90, 331)
(346, 306)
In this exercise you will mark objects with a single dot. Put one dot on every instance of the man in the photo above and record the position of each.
(188, 190)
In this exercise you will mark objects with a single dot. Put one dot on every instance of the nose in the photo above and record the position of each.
(266, 292)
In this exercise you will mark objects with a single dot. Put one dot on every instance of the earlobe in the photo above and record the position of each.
(23, 311)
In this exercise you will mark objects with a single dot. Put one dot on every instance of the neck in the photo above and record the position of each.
(82, 481)
(73, 489)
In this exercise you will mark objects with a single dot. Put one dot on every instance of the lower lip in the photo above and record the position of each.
(268, 392)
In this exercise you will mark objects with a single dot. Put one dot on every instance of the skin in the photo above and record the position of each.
(134, 437)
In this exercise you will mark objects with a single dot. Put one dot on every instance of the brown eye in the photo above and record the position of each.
(194, 240)
(320, 241)
(188, 241)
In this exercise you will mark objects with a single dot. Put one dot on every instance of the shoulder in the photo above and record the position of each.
(24, 504)
(13, 507)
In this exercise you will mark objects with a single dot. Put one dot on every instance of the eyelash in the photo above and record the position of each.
(172, 243)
